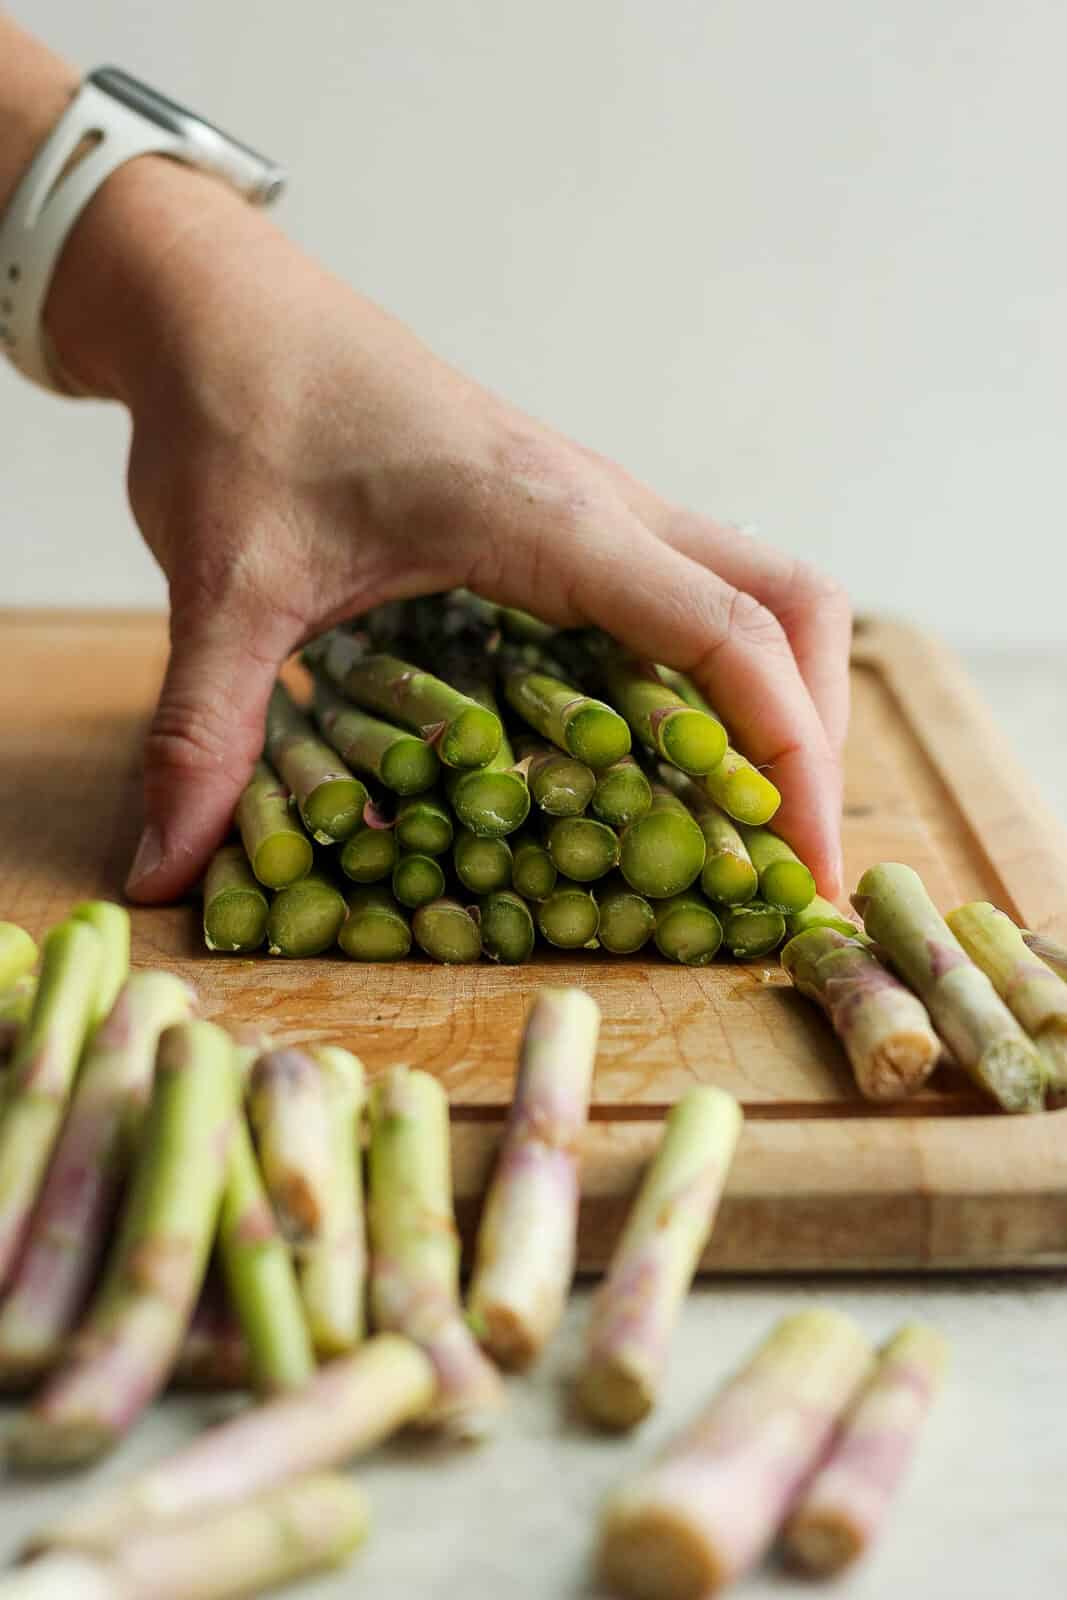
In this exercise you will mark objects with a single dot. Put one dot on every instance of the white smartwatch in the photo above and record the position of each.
(111, 119)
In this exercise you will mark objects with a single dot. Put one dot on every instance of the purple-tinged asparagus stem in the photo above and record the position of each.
(414, 1278)
(653, 1263)
(524, 1254)
(333, 1263)
(126, 1346)
(347, 1408)
(842, 1511)
(112, 923)
(69, 1230)
(1034, 995)
(704, 1512)
(290, 1118)
(885, 1029)
(18, 954)
(966, 1010)
(285, 1533)
(40, 1076)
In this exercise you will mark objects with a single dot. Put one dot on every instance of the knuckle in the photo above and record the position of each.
(749, 621)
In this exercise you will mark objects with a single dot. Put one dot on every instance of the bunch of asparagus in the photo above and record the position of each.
(914, 984)
(467, 780)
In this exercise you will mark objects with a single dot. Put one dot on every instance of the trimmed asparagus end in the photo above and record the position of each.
(305, 919)
(471, 739)
(663, 852)
(418, 879)
(445, 931)
(369, 855)
(409, 766)
(627, 920)
(569, 917)
(235, 907)
(582, 849)
(283, 859)
(596, 735)
(334, 810)
(687, 929)
(622, 793)
(507, 928)
(491, 804)
(690, 740)
(752, 930)
(482, 865)
(375, 928)
(742, 790)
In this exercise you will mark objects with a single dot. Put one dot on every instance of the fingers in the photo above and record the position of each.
(203, 743)
(604, 566)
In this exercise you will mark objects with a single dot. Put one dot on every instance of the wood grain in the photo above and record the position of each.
(822, 1179)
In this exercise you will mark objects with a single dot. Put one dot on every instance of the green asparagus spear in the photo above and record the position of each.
(402, 761)
(492, 801)
(289, 1114)
(622, 793)
(276, 845)
(235, 907)
(966, 1010)
(587, 729)
(446, 932)
(627, 920)
(112, 923)
(18, 953)
(305, 919)
(464, 733)
(375, 929)
(1035, 996)
(687, 929)
(333, 1262)
(533, 872)
(522, 626)
(128, 1342)
(417, 879)
(819, 913)
(559, 783)
(424, 825)
(482, 865)
(581, 848)
(370, 855)
(751, 930)
(507, 927)
(569, 917)
(690, 739)
(728, 875)
(41, 1074)
(784, 880)
(329, 798)
(662, 853)
(735, 785)
(260, 1277)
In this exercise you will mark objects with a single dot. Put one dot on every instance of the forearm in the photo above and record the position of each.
(36, 86)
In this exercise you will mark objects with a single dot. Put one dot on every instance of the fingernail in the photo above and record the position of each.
(148, 858)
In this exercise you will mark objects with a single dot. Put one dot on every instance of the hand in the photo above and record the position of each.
(298, 456)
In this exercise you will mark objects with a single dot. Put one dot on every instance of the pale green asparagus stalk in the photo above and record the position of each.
(290, 1116)
(18, 954)
(842, 1510)
(702, 1514)
(328, 796)
(285, 1533)
(784, 881)
(333, 1262)
(463, 733)
(728, 876)
(739, 788)
(885, 1029)
(446, 932)
(966, 1010)
(820, 913)
(525, 1250)
(587, 729)
(627, 920)
(622, 793)
(346, 1408)
(278, 849)
(569, 917)
(127, 1344)
(403, 762)
(1035, 996)
(40, 1076)
(663, 852)
(72, 1218)
(653, 1263)
(414, 1281)
(305, 918)
(507, 927)
(691, 739)
(376, 929)
(751, 931)
(235, 907)
(687, 929)
(112, 923)
(560, 784)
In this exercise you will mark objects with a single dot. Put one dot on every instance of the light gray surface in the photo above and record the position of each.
(797, 265)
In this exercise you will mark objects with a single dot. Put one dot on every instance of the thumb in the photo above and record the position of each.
(204, 740)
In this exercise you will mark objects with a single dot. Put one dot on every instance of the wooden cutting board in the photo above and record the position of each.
(822, 1179)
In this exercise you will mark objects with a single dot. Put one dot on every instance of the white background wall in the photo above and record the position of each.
(801, 264)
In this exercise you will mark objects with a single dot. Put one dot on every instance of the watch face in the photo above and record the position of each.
(208, 146)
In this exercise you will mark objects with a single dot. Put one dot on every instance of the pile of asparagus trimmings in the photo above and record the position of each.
(143, 1152)
(471, 808)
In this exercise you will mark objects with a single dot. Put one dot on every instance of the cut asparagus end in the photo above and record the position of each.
(375, 929)
(622, 793)
(334, 809)
(482, 865)
(283, 859)
(305, 919)
(659, 1552)
(471, 739)
(561, 785)
(569, 917)
(627, 920)
(787, 885)
(507, 928)
(729, 879)
(446, 932)
(533, 872)
(418, 879)
(1014, 1072)
(820, 913)
(112, 923)
(596, 735)
(752, 930)
(409, 766)
(18, 953)
(369, 856)
(690, 740)
(423, 825)
(491, 804)
(742, 790)
(235, 907)
(581, 848)
(687, 930)
(663, 852)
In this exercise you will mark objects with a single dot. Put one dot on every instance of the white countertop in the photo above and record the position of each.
(983, 1514)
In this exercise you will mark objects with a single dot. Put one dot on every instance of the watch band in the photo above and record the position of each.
(111, 120)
